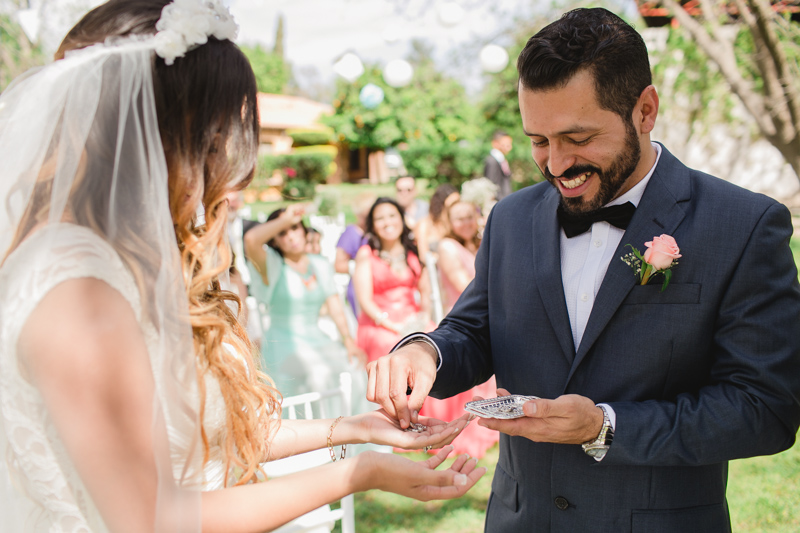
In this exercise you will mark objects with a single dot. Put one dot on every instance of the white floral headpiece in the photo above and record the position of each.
(186, 24)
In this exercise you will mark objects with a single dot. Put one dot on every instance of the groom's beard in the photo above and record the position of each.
(611, 178)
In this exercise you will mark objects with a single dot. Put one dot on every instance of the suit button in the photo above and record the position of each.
(561, 503)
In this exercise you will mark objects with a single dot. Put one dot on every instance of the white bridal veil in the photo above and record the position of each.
(79, 143)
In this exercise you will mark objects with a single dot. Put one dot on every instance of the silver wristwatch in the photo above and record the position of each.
(599, 446)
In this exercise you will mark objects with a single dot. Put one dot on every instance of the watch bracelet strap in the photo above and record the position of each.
(605, 437)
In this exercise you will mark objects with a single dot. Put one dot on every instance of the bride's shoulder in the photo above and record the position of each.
(57, 242)
(58, 252)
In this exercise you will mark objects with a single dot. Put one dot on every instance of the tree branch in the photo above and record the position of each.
(789, 97)
(725, 58)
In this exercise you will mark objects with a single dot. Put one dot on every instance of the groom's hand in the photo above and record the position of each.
(412, 366)
(569, 419)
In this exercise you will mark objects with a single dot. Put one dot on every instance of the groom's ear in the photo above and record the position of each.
(646, 110)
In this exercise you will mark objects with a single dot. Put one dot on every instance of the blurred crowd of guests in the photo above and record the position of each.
(408, 261)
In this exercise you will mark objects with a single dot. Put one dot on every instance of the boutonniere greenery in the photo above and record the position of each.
(661, 255)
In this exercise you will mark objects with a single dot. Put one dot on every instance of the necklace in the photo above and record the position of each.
(301, 267)
(397, 262)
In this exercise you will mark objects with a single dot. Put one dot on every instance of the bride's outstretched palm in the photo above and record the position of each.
(383, 429)
(421, 481)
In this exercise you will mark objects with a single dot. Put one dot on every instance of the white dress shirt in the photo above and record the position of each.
(584, 262)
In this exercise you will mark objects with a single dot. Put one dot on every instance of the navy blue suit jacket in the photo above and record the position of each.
(702, 373)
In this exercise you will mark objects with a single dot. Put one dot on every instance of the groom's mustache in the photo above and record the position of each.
(573, 172)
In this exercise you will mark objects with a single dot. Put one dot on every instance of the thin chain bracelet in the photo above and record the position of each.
(330, 442)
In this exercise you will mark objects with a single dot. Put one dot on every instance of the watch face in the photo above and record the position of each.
(599, 451)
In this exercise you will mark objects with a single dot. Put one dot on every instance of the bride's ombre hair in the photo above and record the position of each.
(208, 119)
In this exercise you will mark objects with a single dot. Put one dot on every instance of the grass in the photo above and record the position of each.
(380, 512)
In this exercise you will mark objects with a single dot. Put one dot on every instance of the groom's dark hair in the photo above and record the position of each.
(589, 39)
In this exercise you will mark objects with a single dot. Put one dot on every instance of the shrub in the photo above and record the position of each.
(305, 137)
(311, 167)
(445, 162)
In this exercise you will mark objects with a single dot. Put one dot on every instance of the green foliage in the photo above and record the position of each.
(328, 202)
(303, 137)
(272, 72)
(500, 109)
(429, 119)
(301, 171)
(692, 83)
(297, 189)
(445, 162)
(17, 53)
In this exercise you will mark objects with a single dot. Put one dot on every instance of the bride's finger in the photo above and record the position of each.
(435, 460)
(459, 463)
(468, 466)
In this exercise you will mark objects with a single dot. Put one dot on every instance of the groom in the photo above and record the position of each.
(646, 393)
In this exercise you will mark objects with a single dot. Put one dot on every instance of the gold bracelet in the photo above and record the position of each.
(330, 442)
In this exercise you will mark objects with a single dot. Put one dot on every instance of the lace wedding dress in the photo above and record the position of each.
(35, 456)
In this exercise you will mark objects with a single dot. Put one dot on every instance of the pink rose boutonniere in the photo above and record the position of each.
(659, 258)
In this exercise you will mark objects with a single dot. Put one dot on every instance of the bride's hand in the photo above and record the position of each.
(380, 428)
(421, 480)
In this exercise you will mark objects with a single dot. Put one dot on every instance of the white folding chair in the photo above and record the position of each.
(308, 406)
(437, 307)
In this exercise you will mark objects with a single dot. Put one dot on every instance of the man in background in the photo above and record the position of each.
(496, 167)
(414, 208)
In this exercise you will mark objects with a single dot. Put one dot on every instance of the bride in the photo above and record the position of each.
(129, 394)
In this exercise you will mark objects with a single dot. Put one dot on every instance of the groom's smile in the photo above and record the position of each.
(588, 153)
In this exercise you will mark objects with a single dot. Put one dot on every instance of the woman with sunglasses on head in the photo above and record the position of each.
(294, 285)
(130, 399)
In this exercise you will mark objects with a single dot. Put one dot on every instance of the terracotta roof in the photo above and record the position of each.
(281, 111)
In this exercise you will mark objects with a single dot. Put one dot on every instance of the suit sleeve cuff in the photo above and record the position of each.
(420, 337)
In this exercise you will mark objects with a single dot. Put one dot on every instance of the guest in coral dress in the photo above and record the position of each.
(457, 267)
(391, 288)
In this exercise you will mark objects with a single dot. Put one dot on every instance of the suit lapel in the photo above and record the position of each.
(658, 212)
(547, 264)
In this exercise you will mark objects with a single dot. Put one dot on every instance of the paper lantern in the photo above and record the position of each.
(450, 14)
(493, 58)
(371, 96)
(349, 67)
(398, 73)
(391, 34)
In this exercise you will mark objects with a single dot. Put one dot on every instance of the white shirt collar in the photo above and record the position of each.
(634, 195)
(497, 154)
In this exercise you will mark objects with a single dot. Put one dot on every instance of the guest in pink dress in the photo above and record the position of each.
(457, 267)
(391, 288)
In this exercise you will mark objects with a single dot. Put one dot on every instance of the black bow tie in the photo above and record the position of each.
(575, 224)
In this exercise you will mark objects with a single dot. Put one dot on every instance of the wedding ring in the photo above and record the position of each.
(426, 449)
(416, 428)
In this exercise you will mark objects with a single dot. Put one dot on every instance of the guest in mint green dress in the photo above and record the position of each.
(294, 286)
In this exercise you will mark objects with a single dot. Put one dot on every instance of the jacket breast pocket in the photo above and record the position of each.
(675, 293)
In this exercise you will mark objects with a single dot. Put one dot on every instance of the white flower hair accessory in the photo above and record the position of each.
(187, 24)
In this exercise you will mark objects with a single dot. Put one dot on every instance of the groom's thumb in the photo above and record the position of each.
(536, 408)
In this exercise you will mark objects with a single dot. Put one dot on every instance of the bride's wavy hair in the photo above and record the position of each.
(208, 119)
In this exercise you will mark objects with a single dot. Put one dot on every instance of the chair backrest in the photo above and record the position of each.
(309, 406)
(312, 405)
(437, 307)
